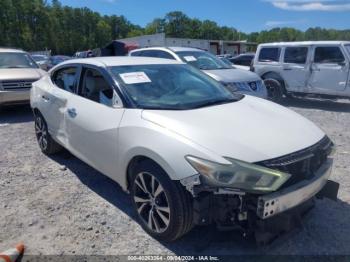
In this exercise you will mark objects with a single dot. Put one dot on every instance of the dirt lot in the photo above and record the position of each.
(60, 205)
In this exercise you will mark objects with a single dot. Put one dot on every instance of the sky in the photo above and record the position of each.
(244, 15)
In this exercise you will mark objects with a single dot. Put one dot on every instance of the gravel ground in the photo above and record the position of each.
(60, 205)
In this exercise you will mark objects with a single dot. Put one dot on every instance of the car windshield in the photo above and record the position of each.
(202, 60)
(171, 87)
(226, 61)
(39, 58)
(16, 60)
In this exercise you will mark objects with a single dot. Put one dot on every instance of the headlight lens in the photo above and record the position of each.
(230, 86)
(239, 174)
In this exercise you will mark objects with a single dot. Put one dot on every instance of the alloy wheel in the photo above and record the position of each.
(41, 132)
(151, 202)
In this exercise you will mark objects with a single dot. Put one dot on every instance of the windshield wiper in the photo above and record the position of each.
(16, 67)
(215, 102)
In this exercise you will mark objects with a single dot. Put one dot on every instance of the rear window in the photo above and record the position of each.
(329, 54)
(269, 54)
(295, 55)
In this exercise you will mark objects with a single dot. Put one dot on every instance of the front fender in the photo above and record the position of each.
(166, 148)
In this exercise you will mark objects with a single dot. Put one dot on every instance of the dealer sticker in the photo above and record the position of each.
(135, 78)
(190, 58)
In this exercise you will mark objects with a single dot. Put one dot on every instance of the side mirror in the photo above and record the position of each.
(343, 63)
(116, 101)
(110, 98)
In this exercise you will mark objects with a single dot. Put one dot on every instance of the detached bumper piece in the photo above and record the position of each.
(267, 230)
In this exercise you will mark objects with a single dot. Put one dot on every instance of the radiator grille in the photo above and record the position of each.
(303, 164)
(17, 84)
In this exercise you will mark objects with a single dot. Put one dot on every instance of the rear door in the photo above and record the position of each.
(93, 121)
(295, 67)
(329, 70)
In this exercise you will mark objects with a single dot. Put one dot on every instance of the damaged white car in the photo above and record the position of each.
(189, 151)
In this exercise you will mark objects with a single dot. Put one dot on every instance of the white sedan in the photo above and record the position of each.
(188, 151)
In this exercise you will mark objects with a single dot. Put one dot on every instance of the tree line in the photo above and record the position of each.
(39, 25)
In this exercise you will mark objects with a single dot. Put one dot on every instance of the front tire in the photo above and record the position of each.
(46, 143)
(274, 90)
(163, 206)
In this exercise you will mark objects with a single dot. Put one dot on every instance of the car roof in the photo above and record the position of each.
(182, 49)
(170, 48)
(10, 50)
(121, 61)
(305, 43)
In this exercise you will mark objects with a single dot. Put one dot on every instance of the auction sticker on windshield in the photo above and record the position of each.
(135, 78)
(190, 58)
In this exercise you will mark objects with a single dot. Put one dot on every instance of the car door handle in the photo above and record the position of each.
(287, 69)
(72, 112)
(45, 98)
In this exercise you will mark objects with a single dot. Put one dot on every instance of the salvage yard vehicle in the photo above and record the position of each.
(318, 69)
(187, 150)
(235, 80)
(17, 73)
(42, 61)
(243, 59)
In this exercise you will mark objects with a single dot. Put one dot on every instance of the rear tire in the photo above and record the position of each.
(163, 206)
(274, 90)
(46, 143)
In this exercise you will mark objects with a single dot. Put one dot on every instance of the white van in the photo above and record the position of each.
(304, 68)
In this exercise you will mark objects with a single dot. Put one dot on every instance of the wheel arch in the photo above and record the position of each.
(36, 111)
(276, 76)
(133, 163)
(138, 158)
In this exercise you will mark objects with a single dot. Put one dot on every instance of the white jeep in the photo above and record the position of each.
(304, 68)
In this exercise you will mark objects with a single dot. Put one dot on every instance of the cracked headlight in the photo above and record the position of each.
(239, 174)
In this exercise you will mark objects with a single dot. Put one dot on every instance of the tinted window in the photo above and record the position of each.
(136, 53)
(295, 55)
(65, 78)
(242, 60)
(94, 87)
(174, 87)
(150, 53)
(270, 54)
(331, 54)
(166, 55)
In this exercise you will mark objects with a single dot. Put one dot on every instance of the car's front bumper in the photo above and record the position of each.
(14, 97)
(275, 203)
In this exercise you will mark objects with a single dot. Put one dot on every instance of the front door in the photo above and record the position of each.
(295, 69)
(329, 70)
(92, 122)
(55, 99)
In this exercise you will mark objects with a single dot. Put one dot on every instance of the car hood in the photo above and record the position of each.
(21, 73)
(232, 75)
(251, 129)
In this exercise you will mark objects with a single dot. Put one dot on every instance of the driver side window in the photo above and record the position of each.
(65, 78)
(95, 88)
